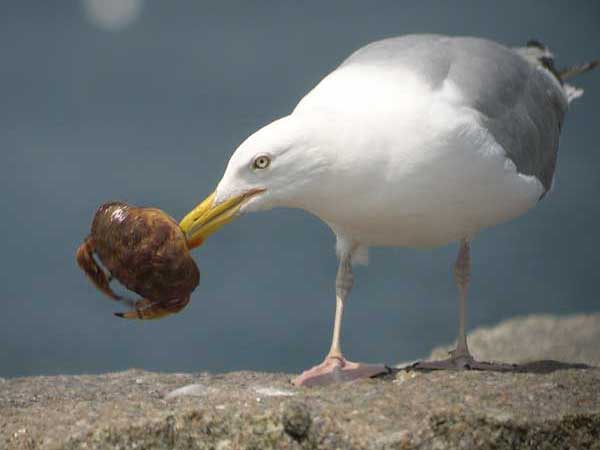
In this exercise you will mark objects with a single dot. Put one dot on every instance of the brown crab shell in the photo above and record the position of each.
(145, 250)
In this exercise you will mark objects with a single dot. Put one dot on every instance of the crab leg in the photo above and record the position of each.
(147, 309)
(92, 269)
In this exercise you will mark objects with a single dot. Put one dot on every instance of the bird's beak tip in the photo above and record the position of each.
(191, 224)
(207, 217)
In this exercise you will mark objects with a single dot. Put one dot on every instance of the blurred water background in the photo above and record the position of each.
(144, 101)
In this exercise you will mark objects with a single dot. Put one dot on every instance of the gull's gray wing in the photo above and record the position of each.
(520, 100)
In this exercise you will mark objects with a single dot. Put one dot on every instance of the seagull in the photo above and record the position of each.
(413, 141)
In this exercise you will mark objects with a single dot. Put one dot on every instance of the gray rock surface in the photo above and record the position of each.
(546, 405)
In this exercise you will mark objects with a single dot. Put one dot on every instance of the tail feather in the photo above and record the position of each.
(572, 92)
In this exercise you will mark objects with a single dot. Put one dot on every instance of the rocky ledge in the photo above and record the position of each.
(543, 404)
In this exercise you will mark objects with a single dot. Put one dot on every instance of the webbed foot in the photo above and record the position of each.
(462, 361)
(336, 369)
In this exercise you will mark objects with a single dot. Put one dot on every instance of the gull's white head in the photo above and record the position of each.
(279, 165)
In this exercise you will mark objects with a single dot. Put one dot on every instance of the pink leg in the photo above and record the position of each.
(335, 368)
(461, 358)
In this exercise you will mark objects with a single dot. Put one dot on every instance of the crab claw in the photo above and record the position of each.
(93, 271)
(147, 309)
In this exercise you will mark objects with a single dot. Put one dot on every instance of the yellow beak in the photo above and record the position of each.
(206, 218)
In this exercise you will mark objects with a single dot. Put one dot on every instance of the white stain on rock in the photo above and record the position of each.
(273, 392)
(191, 390)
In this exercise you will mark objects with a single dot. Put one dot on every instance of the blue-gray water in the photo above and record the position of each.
(149, 114)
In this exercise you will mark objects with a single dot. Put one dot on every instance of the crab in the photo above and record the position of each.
(146, 251)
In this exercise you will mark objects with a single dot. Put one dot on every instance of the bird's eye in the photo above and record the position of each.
(261, 162)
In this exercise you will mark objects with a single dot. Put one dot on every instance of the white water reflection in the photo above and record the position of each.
(112, 15)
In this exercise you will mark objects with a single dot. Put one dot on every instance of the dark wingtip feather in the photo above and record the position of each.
(544, 57)
(537, 44)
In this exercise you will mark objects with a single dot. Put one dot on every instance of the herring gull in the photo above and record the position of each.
(414, 141)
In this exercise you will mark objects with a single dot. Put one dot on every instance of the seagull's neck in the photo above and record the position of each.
(318, 140)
